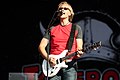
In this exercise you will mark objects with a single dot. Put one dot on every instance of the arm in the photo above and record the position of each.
(44, 53)
(79, 41)
(42, 47)
(79, 44)
(79, 47)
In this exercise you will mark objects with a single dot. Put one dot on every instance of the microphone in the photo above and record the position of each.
(59, 12)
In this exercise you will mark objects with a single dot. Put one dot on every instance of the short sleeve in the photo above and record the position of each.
(47, 33)
(79, 35)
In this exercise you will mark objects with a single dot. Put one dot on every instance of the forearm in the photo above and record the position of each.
(79, 44)
(43, 53)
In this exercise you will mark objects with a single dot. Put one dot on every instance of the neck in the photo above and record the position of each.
(64, 22)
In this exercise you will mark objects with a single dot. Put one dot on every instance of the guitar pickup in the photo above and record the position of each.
(59, 60)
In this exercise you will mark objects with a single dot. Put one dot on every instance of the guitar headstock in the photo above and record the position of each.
(96, 44)
(93, 46)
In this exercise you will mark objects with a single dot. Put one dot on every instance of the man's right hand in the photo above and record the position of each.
(52, 61)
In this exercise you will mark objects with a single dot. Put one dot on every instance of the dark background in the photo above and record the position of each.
(19, 28)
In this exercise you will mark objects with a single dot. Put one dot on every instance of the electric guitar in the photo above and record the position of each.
(60, 60)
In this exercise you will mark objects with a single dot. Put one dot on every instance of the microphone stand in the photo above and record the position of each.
(53, 19)
(48, 29)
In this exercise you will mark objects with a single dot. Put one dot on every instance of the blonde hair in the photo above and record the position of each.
(70, 8)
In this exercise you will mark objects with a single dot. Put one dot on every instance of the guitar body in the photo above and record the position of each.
(54, 70)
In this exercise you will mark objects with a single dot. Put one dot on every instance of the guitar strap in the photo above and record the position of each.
(71, 38)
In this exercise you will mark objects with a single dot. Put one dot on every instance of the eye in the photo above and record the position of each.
(60, 8)
(66, 8)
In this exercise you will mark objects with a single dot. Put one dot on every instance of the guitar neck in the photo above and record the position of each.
(69, 56)
(75, 53)
(87, 48)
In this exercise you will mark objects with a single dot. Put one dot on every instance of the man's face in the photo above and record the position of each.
(65, 9)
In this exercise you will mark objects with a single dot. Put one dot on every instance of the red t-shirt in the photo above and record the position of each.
(59, 36)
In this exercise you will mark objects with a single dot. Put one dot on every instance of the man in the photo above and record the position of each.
(58, 37)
